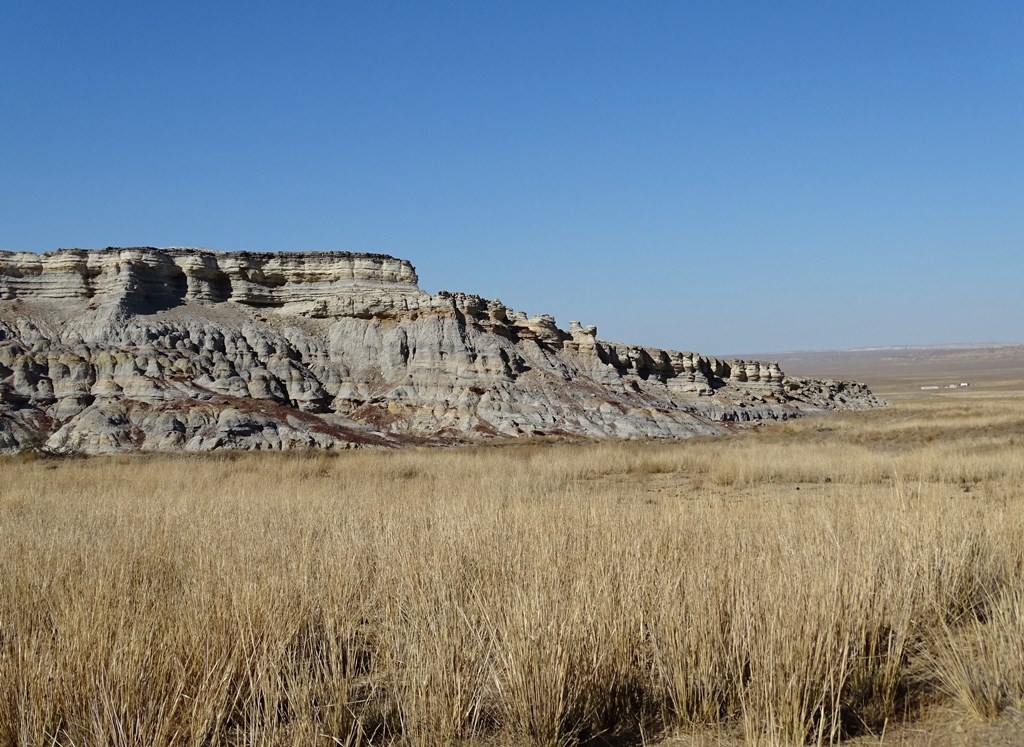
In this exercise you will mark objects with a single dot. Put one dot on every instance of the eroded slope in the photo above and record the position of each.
(144, 348)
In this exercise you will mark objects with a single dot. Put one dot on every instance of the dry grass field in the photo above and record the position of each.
(832, 579)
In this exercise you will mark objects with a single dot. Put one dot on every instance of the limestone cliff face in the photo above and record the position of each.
(162, 349)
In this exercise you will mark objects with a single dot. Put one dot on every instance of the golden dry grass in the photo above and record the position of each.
(802, 583)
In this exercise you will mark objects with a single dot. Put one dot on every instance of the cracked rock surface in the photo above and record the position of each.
(187, 349)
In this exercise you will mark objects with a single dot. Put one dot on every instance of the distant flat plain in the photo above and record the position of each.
(902, 371)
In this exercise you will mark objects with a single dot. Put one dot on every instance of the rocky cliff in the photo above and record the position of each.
(142, 348)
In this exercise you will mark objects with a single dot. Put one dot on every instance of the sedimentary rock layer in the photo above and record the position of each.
(142, 348)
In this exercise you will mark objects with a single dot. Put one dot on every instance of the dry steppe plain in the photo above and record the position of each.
(851, 578)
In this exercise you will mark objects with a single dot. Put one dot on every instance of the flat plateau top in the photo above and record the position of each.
(179, 250)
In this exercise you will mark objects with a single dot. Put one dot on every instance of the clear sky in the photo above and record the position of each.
(714, 176)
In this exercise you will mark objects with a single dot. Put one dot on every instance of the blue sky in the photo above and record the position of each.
(714, 176)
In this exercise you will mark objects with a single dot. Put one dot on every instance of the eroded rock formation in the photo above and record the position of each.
(143, 348)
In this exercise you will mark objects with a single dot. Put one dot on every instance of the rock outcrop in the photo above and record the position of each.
(166, 349)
